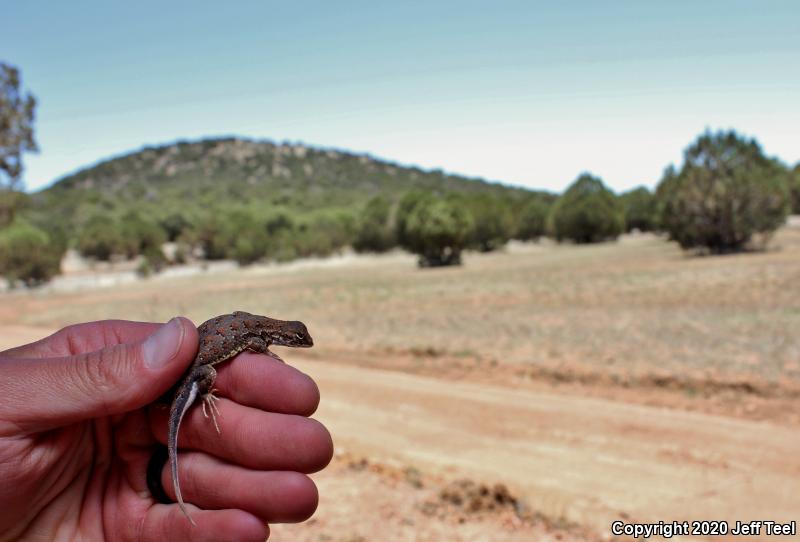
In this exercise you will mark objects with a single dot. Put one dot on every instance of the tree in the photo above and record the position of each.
(794, 187)
(174, 225)
(234, 234)
(437, 229)
(281, 230)
(16, 137)
(28, 254)
(100, 238)
(493, 223)
(640, 210)
(140, 236)
(209, 234)
(407, 203)
(532, 220)
(374, 232)
(323, 233)
(726, 192)
(587, 212)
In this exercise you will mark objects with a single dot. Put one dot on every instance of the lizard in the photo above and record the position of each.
(220, 339)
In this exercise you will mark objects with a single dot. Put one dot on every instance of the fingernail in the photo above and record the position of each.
(161, 346)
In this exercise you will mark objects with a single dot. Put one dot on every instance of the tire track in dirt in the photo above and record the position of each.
(588, 460)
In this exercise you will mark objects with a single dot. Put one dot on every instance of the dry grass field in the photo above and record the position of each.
(534, 394)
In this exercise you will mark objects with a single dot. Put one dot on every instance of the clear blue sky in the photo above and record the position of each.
(530, 93)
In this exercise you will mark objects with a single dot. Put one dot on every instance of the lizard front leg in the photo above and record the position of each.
(260, 346)
(206, 375)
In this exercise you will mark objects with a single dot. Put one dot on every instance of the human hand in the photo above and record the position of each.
(76, 436)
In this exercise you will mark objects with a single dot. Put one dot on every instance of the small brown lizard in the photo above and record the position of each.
(222, 338)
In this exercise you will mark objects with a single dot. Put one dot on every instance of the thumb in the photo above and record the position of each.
(52, 392)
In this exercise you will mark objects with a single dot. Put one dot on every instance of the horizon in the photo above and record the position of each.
(520, 95)
(222, 137)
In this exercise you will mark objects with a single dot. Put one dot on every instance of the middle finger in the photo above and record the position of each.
(253, 438)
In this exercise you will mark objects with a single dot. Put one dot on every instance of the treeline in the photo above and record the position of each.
(438, 226)
(727, 196)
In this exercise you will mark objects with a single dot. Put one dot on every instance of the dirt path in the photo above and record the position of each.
(588, 460)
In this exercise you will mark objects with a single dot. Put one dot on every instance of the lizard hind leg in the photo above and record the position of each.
(210, 399)
(205, 388)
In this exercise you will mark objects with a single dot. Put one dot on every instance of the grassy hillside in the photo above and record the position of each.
(196, 176)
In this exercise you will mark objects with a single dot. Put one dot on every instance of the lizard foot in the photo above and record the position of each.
(273, 355)
(210, 400)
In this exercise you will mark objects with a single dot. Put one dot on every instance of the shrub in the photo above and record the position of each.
(153, 261)
(140, 236)
(280, 228)
(12, 202)
(587, 213)
(532, 220)
(244, 237)
(640, 210)
(492, 221)
(323, 234)
(437, 230)
(233, 234)
(374, 232)
(794, 187)
(174, 225)
(100, 238)
(404, 209)
(27, 254)
(726, 192)
(209, 234)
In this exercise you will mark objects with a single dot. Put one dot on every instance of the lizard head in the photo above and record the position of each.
(292, 333)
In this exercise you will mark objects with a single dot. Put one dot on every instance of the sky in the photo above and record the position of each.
(526, 93)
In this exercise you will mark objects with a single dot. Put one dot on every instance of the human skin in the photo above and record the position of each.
(77, 430)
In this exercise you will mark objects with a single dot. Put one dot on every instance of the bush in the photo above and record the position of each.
(323, 233)
(437, 230)
(12, 202)
(140, 236)
(100, 238)
(587, 213)
(241, 236)
(375, 232)
(209, 234)
(794, 187)
(492, 221)
(404, 209)
(28, 254)
(174, 225)
(245, 238)
(640, 210)
(280, 228)
(153, 261)
(726, 192)
(532, 220)
(232, 234)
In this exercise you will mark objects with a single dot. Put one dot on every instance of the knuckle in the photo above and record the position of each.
(104, 371)
(74, 337)
(98, 369)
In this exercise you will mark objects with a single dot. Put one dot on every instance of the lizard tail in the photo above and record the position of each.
(182, 403)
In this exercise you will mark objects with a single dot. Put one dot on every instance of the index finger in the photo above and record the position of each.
(260, 381)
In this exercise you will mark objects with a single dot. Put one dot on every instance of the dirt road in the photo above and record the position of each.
(590, 461)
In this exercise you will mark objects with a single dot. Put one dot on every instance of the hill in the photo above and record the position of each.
(213, 173)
